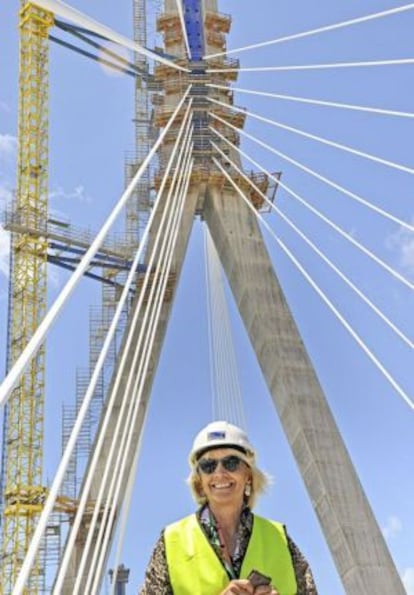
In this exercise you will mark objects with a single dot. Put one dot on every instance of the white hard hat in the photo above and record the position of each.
(217, 434)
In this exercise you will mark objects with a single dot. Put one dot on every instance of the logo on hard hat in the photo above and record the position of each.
(216, 435)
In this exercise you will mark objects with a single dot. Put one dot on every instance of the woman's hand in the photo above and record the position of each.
(244, 587)
(239, 587)
(265, 590)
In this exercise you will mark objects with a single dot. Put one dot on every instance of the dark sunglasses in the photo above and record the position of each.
(230, 463)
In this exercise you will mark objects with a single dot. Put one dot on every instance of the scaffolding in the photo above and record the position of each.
(116, 255)
(138, 207)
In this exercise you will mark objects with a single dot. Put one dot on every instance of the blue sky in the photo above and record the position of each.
(90, 130)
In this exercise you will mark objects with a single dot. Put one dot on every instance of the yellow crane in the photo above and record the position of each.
(23, 494)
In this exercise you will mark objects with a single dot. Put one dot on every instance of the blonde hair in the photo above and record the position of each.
(260, 480)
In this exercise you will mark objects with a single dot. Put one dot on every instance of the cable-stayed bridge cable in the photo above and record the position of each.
(128, 495)
(222, 401)
(129, 70)
(319, 291)
(315, 174)
(338, 229)
(141, 376)
(121, 64)
(319, 102)
(111, 401)
(114, 469)
(315, 137)
(318, 30)
(156, 303)
(228, 399)
(76, 16)
(164, 231)
(101, 544)
(319, 252)
(328, 66)
(39, 335)
(108, 472)
(211, 338)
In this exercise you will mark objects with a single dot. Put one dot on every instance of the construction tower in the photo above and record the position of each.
(21, 477)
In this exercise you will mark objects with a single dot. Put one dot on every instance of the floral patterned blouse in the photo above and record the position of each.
(157, 580)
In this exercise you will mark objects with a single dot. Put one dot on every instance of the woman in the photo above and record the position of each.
(214, 551)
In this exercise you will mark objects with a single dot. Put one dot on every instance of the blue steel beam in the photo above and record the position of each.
(193, 17)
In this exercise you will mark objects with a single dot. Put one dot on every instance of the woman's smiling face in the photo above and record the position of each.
(224, 487)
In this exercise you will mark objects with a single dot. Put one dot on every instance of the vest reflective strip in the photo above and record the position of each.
(194, 567)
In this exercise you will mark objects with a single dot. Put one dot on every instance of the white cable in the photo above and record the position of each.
(222, 411)
(75, 16)
(97, 505)
(365, 64)
(350, 284)
(319, 291)
(323, 29)
(53, 492)
(83, 501)
(111, 401)
(184, 28)
(128, 495)
(343, 233)
(213, 372)
(224, 392)
(228, 404)
(111, 469)
(320, 139)
(128, 424)
(318, 176)
(101, 545)
(39, 335)
(224, 356)
(216, 348)
(141, 376)
(120, 423)
(308, 100)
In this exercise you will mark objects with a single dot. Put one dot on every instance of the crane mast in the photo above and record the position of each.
(22, 491)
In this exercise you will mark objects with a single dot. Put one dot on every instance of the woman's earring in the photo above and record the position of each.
(248, 489)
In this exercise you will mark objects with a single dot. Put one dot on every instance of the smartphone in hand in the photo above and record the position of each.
(258, 579)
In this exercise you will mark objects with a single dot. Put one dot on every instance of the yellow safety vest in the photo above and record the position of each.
(195, 568)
